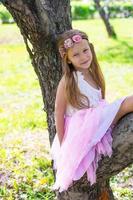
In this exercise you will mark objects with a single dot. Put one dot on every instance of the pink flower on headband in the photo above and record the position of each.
(76, 38)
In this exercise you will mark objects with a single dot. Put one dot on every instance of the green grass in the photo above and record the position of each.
(21, 103)
(27, 181)
(26, 172)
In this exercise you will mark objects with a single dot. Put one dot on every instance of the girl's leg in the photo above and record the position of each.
(126, 107)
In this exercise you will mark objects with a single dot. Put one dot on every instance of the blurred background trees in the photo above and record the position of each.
(86, 9)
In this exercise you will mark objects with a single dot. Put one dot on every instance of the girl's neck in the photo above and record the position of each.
(85, 72)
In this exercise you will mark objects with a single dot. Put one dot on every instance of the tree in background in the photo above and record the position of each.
(104, 16)
(40, 21)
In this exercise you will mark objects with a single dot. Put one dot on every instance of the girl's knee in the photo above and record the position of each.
(127, 105)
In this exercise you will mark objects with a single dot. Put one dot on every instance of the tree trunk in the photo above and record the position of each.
(82, 191)
(105, 18)
(40, 22)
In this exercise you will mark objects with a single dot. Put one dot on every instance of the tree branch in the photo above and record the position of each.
(27, 20)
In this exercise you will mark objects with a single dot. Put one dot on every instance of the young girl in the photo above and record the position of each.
(84, 120)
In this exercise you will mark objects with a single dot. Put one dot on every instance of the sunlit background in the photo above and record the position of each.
(25, 167)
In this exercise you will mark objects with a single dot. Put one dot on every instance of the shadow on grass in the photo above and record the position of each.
(121, 52)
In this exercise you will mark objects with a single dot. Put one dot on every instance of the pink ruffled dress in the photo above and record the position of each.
(87, 136)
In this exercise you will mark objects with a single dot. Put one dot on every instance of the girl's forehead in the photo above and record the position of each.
(78, 46)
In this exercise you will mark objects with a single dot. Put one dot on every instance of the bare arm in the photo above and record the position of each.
(60, 108)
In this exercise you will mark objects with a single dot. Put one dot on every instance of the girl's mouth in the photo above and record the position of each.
(85, 62)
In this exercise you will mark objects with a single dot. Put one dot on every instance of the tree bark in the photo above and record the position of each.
(105, 18)
(80, 191)
(40, 22)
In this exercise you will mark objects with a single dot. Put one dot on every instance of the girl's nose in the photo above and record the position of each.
(83, 57)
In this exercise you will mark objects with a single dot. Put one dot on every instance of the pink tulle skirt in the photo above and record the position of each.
(87, 136)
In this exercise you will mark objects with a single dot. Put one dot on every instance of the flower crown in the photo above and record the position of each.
(69, 43)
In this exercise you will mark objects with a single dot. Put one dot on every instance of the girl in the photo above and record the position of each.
(84, 120)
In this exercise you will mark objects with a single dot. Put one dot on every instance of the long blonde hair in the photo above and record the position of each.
(73, 94)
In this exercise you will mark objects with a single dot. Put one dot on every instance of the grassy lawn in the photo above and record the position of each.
(25, 170)
(21, 104)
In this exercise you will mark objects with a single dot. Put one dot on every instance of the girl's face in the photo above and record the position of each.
(80, 55)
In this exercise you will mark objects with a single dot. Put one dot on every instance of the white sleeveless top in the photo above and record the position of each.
(94, 95)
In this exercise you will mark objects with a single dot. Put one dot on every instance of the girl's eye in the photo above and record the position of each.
(85, 50)
(76, 54)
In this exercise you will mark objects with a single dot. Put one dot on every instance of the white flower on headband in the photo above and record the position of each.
(68, 43)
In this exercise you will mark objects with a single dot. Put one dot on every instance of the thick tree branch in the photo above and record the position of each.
(27, 20)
